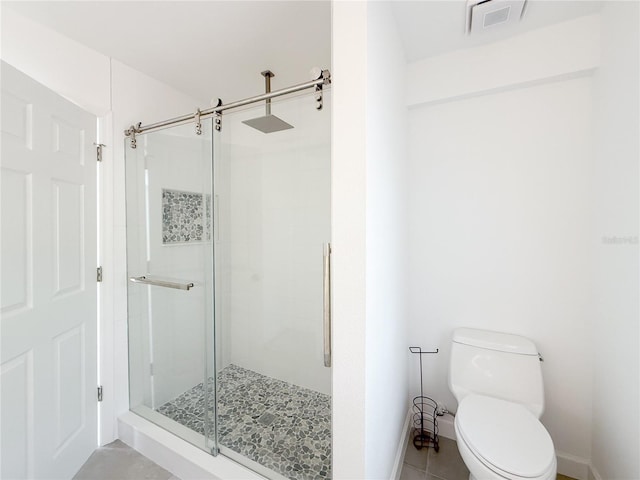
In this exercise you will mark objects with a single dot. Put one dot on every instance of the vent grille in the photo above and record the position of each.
(496, 17)
(485, 15)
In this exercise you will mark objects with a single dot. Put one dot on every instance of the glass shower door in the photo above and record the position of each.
(170, 287)
(272, 194)
(226, 240)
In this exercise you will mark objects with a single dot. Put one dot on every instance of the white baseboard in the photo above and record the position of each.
(445, 427)
(402, 448)
(572, 466)
(594, 474)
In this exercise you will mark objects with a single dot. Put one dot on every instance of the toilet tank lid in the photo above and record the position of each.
(503, 342)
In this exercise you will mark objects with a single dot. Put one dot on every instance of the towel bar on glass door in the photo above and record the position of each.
(161, 283)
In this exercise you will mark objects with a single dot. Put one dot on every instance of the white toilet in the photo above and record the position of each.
(497, 381)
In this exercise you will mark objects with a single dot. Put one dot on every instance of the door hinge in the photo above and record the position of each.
(99, 151)
(100, 393)
(99, 274)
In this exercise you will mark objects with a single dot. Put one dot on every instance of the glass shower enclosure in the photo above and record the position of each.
(226, 231)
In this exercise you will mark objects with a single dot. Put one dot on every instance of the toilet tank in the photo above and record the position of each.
(498, 365)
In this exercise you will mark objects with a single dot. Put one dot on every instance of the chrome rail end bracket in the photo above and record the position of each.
(326, 77)
(197, 116)
(131, 132)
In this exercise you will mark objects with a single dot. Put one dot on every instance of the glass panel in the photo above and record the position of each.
(272, 198)
(170, 259)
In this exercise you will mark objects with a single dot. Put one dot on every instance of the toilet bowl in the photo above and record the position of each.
(497, 380)
(501, 440)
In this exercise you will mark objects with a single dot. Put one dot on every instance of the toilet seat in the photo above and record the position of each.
(505, 437)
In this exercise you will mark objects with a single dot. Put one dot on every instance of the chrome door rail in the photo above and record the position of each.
(161, 283)
(324, 78)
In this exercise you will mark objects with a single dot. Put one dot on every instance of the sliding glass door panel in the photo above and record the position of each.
(170, 280)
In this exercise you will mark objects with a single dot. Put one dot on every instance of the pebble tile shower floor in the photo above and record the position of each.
(279, 425)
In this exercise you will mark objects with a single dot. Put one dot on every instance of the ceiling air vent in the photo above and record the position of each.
(484, 15)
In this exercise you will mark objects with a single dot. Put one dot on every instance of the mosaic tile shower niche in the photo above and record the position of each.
(185, 217)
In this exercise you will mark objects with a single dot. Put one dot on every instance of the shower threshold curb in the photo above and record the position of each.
(179, 457)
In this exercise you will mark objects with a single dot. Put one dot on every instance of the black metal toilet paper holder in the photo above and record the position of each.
(424, 412)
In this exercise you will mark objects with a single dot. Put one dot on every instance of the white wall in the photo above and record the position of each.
(616, 400)
(68, 68)
(386, 322)
(348, 232)
(499, 236)
(368, 165)
(500, 217)
(557, 50)
(273, 195)
(120, 95)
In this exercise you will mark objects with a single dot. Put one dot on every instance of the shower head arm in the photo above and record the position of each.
(267, 74)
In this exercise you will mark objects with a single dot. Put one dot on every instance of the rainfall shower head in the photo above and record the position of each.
(268, 123)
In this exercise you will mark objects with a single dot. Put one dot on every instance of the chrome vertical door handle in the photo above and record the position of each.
(326, 290)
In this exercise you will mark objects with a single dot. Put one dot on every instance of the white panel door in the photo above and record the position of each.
(48, 282)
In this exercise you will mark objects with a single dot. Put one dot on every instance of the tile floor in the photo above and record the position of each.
(427, 464)
(447, 464)
(117, 461)
(282, 426)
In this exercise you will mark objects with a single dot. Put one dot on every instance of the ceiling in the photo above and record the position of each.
(429, 28)
(209, 49)
(206, 49)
